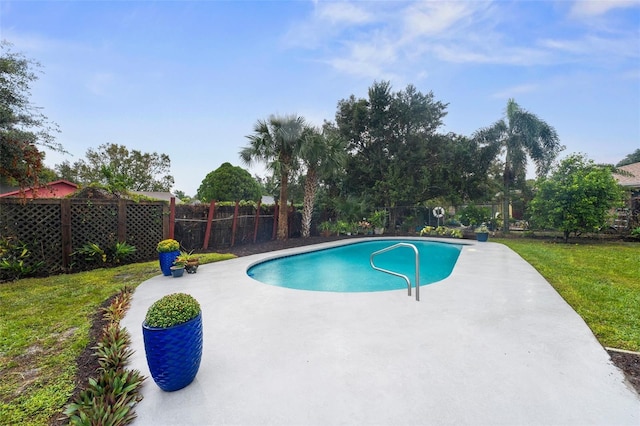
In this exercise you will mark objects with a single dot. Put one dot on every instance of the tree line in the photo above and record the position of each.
(381, 151)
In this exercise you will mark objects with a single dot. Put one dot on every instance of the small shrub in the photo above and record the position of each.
(15, 260)
(92, 251)
(121, 250)
(173, 309)
(111, 256)
(108, 400)
(441, 231)
(111, 398)
(474, 216)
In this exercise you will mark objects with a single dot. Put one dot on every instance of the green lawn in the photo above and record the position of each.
(44, 326)
(600, 280)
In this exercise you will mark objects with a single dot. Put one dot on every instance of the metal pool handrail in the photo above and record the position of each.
(395, 246)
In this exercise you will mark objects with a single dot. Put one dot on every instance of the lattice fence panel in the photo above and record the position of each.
(92, 221)
(144, 229)
(37, 225)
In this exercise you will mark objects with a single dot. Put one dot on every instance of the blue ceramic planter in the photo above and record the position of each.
(166, 261)
(174, 353)
(482, 236)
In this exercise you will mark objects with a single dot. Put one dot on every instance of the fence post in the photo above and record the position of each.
(235, 223)
(207, 232)
(255, 224)
(65, 218)
(172, 217)
(122, 220)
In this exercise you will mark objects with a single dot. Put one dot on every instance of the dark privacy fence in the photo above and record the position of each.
(54, 229)
(228, 225)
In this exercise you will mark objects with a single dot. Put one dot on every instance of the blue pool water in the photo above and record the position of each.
(347, 268)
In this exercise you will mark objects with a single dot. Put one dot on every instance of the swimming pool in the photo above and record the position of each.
(347, 268)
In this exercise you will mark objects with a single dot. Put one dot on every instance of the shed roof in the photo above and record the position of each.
(634, 179)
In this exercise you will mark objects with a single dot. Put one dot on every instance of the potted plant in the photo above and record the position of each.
(482, 233)
(168, 250)
(172, 333)
(325, 228)
(378, 220)
(189, 261)
(342, 227)
(177, 270)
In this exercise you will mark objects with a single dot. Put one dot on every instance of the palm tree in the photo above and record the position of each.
(522, 135)
(277, 142)
(322, 153)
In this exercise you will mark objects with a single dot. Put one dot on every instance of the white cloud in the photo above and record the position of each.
(504, 55)
(510, 92)
(342, 13)
(408, 39)
(432, 18)
(384, 38)
(589, 8)
(592, 46)
(367, 59)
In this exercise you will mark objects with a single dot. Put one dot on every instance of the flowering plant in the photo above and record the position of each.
(441, 231)
(363, 224)
(168, 245)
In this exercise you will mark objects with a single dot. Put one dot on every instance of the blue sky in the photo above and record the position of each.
(189, 79)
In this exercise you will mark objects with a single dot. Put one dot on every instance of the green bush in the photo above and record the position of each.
(173, 309)
(14, 260)
(474, 216)
(111, 256)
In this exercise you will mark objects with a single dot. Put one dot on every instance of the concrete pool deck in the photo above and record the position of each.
(492, 344)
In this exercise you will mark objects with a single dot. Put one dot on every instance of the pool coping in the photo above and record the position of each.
(479, 348)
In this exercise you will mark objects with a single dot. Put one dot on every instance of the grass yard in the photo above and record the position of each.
(44, 326)
(600, 280)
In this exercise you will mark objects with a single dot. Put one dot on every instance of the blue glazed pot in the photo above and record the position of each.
(166, 261)
(482, 236)
(174, 353)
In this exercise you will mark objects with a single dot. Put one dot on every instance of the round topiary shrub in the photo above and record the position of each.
(173, 309)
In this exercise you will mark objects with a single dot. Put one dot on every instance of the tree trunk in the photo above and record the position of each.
(309, 196)
(283, 213)
(505, 200)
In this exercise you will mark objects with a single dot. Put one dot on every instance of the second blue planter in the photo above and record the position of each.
(166, 261)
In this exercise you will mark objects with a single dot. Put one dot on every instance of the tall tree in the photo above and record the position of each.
(634, 157)
(521, 135)
(277, 142)
(323, 153)
(577, 197)
(120, 170)
(23, 128)
(388, 136)
(229, 183)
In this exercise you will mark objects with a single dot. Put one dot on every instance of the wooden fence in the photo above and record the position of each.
(55, 229)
